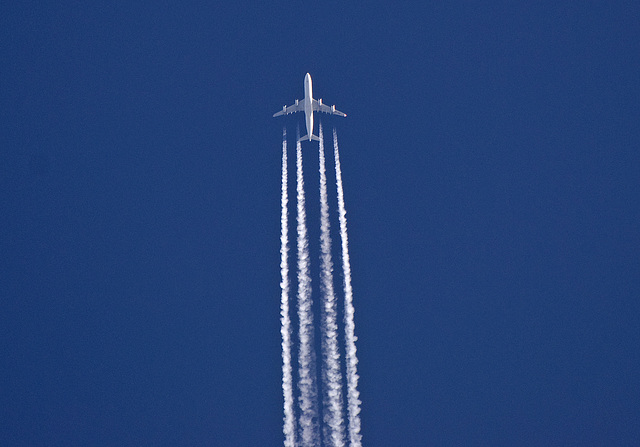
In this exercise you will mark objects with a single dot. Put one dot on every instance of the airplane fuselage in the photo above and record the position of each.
(308, 105)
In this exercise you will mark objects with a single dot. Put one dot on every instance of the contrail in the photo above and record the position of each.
(288, 428)
(309, 427)
(353, 396)
(331, 376)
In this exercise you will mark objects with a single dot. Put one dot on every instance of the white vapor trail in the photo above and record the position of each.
(288, 428)
(353, 396)
(306, 363)
(331, 376)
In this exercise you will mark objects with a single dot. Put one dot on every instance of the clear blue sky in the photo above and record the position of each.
(491, 167)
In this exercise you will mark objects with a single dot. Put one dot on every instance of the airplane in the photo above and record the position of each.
(308, 105)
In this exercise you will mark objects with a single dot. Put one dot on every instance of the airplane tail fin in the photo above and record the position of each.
(306, 137)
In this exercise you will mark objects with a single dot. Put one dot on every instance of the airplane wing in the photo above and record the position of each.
(298, 106)
(319, 107)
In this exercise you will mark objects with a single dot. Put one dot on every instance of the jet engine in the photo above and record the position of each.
(320, 101)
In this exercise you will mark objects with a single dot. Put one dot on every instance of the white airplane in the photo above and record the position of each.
(309, 105)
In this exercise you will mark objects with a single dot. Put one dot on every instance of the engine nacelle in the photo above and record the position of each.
(297, 101)
(333, 108)
(284, 108)
(320, 101)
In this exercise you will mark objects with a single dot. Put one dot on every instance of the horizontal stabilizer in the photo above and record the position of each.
(306, 137)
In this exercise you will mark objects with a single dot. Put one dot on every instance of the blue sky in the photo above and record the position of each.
(490, 161)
